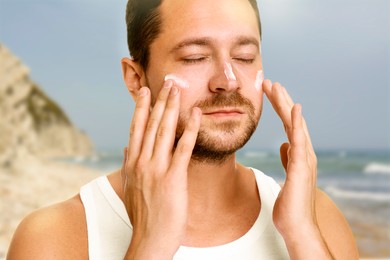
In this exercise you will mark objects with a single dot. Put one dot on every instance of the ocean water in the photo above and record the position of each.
(357, 181)
(354, 175)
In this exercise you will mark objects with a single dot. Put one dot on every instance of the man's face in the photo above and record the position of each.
(214, 45)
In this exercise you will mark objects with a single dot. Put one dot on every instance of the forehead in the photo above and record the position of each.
(219, 19)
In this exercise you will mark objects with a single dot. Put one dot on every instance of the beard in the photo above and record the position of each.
(217, 141)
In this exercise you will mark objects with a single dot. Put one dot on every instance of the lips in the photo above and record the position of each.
(223, 111)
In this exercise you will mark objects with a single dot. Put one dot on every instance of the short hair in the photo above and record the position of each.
(143, 21)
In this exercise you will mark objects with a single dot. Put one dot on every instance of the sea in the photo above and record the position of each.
(358, 181)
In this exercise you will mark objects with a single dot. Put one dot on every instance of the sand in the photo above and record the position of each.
(33, 184)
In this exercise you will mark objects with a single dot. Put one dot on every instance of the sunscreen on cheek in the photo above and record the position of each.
(259, 80)
(182, 83)
(228, 69)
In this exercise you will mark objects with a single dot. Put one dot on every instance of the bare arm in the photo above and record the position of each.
(334, 228)
(49, 233)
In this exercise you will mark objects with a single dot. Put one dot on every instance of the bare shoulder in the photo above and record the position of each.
(335, 228)
(54, 232)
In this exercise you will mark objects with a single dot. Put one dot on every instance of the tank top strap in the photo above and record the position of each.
(108, 225)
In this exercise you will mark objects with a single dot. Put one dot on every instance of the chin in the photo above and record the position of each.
(217, 146)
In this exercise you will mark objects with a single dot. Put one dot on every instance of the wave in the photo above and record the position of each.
(377, 168)
(360, 195)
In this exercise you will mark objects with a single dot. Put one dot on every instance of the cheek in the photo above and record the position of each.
(189, 97)
(250, 78)
(256, 99)
(193, 78)
(251, 81)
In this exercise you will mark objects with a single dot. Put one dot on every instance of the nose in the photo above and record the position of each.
(224, 79)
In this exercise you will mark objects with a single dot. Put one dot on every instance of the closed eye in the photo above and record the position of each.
(245, 60)
(192, 60)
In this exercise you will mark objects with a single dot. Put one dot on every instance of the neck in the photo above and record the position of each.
(213, 184)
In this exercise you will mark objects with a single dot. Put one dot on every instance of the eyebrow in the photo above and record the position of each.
(244, 40)
(206, 41)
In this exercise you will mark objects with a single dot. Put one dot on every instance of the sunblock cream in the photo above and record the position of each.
(182, 83)
(259, 80)
(229, 72)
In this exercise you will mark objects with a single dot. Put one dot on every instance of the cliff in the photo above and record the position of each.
(31, 123)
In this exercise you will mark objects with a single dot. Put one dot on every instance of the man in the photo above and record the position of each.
(196, 77)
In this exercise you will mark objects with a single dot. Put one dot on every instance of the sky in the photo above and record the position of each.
(332, 56)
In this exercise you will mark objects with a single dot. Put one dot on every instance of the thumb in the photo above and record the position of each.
(284, 154)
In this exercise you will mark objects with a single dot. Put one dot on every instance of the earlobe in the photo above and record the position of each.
(132, 73)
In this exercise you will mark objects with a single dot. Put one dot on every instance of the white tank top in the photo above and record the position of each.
(110, 230)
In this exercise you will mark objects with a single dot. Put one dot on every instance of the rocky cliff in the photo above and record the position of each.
(30, 122)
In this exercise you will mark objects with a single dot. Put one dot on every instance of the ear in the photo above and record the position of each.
(133, 76)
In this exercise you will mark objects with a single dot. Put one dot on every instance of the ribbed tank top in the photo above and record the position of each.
(110, 230)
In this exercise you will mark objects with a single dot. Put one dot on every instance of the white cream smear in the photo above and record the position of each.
(228, 69)
(179, 81)
(259, 80)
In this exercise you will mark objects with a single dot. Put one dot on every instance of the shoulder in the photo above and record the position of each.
(267, 182)
(56, 232)
(334, 227)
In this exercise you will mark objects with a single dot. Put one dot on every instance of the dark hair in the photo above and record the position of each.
(143, 22)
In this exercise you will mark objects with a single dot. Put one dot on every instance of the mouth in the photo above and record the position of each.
(223, 112)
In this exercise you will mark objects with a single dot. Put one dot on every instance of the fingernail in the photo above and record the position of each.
(143, 91)
(174, 91)
(168, 84)
(265, 84)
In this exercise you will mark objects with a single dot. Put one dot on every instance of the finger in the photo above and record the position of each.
(284, 154)
(154, 121)
(309, 143)
(291, 103)
(305, 128)
(279, 96)
(167, 130)
(280, 104)
(138, 123)
(288, 97)
(302, 152)
(283, 105)
(182, 155)
(298, 151)
(267, 85)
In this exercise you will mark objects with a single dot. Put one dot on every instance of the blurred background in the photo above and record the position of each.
(62, 96)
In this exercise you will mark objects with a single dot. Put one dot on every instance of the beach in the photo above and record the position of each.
(34, 184)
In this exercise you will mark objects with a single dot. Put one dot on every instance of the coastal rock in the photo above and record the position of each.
(31, 123)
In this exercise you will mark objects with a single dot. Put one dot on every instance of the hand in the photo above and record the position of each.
(294, 210)
(155, 177)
